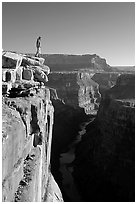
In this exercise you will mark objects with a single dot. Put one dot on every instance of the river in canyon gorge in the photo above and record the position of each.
(66, 166)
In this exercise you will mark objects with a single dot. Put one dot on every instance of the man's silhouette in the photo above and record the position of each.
(38, 46)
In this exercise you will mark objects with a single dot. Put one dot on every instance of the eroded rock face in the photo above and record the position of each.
(77, 90)
(17, 67)
(26, 139)
(11, 60)
(54, 194)
(66, 87)
(60, 62)
(105, 80)
(82, 89)
(104, 167)
(26, 129)
(89, 96)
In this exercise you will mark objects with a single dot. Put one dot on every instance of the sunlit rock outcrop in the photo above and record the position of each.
(89, 96)
(28, 117)
(17, 67)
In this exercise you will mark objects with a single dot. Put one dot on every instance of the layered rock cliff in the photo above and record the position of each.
(76, 90)
(28, 116)
(104, 168)
(82, 89)
(60, 62)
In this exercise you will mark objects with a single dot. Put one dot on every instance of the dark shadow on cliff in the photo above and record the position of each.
(104, 167)
(66, 125)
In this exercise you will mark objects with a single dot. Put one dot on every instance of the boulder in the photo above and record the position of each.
(40, 76)
(31, 61)
(27, 74)
(11, 60)
(45, 69)
(42, 68)
(6, 87)
(8, 75)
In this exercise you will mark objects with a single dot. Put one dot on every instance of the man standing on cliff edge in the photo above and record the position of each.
(38, 46)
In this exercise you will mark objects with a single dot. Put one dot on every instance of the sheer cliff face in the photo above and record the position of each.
(27, 114)
(27, 130)
(105, 158)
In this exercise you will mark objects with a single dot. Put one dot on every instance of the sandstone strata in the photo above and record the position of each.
(26, 131)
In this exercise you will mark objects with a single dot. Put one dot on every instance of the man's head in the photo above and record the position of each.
(39, 37)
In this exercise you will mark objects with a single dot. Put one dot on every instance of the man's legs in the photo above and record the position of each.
(38, 52)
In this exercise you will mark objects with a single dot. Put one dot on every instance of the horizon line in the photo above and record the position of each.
(69, 54)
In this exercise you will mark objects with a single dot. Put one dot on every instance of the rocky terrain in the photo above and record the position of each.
(104, 167)
(27, 123)
(85, 116)
(87, 90)
(106, 152)
(83, 88)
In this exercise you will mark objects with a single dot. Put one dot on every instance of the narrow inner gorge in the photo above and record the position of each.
(69, 127)
(66, 166)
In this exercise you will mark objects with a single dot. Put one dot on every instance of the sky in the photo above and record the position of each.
(103, 28)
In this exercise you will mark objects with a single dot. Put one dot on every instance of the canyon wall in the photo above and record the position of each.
(104, 168)
(76, 90)
(27, 123)
(61, 62)
(75, 97)
(82, 89)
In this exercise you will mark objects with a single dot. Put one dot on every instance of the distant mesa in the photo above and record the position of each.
(61, 62)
